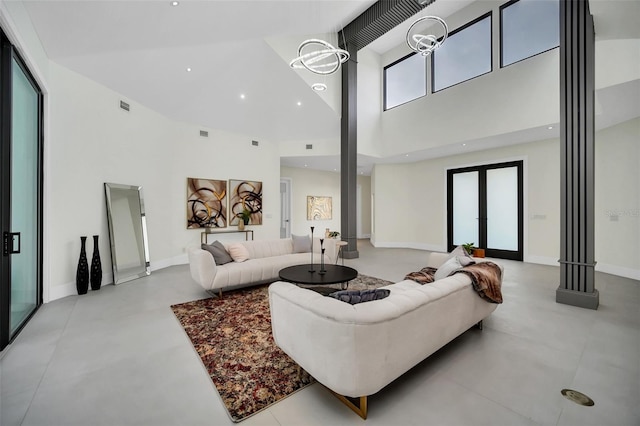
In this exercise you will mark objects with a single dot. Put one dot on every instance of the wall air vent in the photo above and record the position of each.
(255, 143)
(309, 146)
(125, 106)
(204, 133)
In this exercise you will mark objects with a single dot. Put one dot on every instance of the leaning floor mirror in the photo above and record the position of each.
(127, 232)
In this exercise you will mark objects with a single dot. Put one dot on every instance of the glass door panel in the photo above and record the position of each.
(485, 207)
(24, 197)
(465, 208)
(502, 208)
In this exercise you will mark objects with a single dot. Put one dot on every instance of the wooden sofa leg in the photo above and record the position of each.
(360, 409)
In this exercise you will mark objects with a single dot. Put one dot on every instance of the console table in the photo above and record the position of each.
(211, 231)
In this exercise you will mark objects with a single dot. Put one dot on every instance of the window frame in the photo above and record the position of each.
(489, 14)
(384, 82)
(502, 65)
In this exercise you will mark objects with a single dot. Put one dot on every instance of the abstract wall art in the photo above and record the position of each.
(245, 194)
(206, 203)
(318, 208)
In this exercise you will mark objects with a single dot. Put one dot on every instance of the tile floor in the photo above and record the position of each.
(119, 357)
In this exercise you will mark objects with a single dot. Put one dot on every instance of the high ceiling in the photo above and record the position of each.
(142, 49)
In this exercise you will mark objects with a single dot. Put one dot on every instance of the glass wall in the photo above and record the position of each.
(24, 196)
(20, 193)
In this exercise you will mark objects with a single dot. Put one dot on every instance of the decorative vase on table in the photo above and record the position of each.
(82, 273)
(96, 266)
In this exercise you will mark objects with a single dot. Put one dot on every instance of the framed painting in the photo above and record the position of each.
(319, 208)
(245, 195)
(206, 203)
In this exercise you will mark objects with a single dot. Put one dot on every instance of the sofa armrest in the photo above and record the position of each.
(436, 259)
(202, 266)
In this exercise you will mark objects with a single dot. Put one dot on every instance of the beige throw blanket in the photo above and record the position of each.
(486, 278)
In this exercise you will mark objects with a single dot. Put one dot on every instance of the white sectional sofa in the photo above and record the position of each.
(356, 350)
(266, 259)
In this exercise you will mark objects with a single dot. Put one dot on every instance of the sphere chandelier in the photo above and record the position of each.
(325, 60)
(426, 44)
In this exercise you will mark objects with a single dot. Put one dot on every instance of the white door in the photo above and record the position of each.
(285, 208)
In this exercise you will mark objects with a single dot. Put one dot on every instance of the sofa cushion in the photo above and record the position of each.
(360, 296)
(219, 253)
(238, 252)
(301, 243)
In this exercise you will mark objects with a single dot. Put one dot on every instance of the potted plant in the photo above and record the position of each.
(245, 216)
(473, 251)
(333, 234)
(468, 247)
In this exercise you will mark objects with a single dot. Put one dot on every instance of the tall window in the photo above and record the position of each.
(528, 27)
(465, 54)
(405, 80)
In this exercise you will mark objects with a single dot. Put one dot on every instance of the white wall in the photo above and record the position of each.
(410, 199)
(306, 182)
(617, 199)
(369, 103)
(92, 141)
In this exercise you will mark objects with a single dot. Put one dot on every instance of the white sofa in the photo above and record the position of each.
(356, 350)
(266, 259)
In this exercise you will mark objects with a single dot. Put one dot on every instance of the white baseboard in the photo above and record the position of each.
(182, 259)
(413, 245)
(620, 271)
(542, 260)
(69, 289)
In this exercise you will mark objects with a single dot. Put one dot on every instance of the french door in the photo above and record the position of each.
(20, 193)
(485, 207)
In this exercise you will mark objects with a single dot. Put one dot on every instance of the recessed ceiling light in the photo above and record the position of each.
(175, 3)
(188, 69)
(299, 103)
(319, 87)
(242, 96)
(305, 165)
(464, 144)
(550, 127)
(406, 155)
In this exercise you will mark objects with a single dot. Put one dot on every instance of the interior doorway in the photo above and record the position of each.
(485, 207)
(285, 207)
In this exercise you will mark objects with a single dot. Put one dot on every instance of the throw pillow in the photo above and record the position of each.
(238, 252)
(360, 296)
(301, 243)
(465, 260)
(459, 251)
(219, 253)
(447, 268)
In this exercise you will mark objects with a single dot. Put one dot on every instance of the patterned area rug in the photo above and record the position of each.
(233, 337)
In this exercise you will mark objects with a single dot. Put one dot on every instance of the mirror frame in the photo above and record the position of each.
(121, 276)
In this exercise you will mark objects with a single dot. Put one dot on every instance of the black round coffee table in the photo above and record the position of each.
(334, 274)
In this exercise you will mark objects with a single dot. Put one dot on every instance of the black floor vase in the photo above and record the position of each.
(82, 274)
(96, 266)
